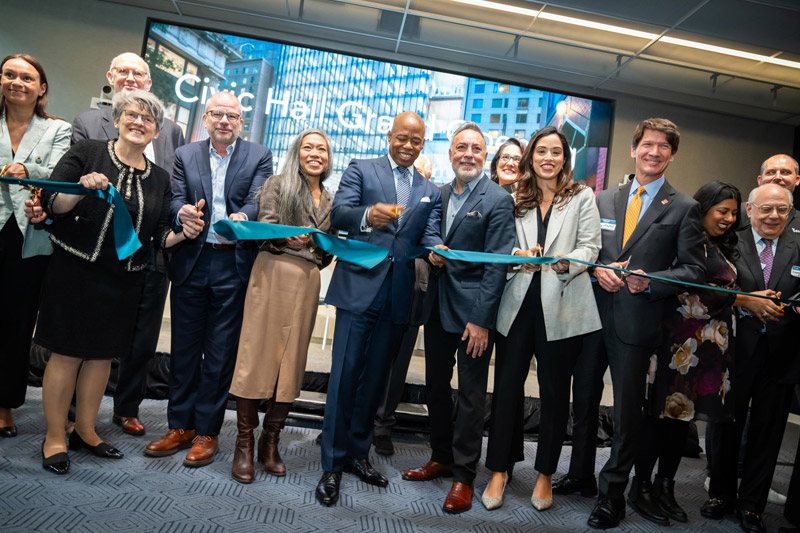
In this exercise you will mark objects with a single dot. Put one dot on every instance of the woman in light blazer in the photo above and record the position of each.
(544, 311)
(31, 143)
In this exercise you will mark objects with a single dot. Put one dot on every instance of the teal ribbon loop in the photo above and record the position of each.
(483, 257)
(125, 240)
(359, 253)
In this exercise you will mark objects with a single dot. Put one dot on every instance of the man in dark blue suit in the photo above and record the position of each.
(209, 277)
(477, 215)
(384, 201)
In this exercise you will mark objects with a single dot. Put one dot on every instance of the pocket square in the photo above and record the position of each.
(474, 214)
(425, 200)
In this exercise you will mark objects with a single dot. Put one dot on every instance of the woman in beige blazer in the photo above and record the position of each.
(544, 311)
(31, 143)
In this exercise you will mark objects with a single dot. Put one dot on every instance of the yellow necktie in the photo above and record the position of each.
(632, 215)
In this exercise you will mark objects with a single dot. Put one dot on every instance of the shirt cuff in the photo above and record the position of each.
(365, 227)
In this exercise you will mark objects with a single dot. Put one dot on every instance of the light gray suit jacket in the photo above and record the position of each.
(569, 306)
(43, 144)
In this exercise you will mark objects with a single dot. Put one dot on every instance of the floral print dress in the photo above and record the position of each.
(690, 377)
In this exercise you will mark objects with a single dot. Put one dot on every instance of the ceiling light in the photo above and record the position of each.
(629, 32)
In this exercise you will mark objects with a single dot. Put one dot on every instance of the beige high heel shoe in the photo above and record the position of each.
(492, 503)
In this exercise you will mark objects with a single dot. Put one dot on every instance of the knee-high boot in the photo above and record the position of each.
(268, 442)
(246, 421)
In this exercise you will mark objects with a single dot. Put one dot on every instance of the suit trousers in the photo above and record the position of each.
(207, 314)
(20, 284)
(385, 418)
(456, 431)
(555, 361)
(628, 365)
(360, 361)
(132, 377)
(587, 391)
(769, 403)
(792, 510)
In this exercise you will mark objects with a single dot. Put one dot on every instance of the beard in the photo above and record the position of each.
(467, 176)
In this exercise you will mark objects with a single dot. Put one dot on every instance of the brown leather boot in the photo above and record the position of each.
(246, 421)
(268, 442)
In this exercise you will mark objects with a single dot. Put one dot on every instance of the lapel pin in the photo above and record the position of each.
(664, 201)
(38, 160)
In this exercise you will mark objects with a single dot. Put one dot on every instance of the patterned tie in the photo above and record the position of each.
(403, 190)
(632, 215)
(766, 259)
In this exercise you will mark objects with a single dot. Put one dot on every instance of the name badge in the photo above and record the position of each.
(608, 225)
(796, 271)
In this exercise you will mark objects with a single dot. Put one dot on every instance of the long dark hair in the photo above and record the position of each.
(715, 193)
(498, 154)
(529, 194)
(41, 102)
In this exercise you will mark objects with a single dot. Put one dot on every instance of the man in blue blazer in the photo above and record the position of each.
(213, 180)
(384, 201)
(477, 215)
(128, 72)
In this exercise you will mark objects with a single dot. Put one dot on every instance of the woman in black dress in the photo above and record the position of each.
(89, 296)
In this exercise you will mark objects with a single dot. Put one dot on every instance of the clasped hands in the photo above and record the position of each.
(610, 281)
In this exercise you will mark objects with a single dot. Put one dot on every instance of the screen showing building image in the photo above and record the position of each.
(285, 89)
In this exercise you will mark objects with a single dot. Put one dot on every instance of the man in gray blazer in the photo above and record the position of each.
(128, 71)
(658, 231)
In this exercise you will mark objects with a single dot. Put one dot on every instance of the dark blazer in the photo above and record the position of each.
(364, 183)
(667, 242)
(250, 166)
(470, 292)
(97, 124)
(783, 361)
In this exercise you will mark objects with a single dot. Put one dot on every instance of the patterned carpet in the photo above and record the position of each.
(145, 494)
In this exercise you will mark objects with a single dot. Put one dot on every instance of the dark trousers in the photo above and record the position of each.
(628, 365)
(792, 510)
(456, 433)
(20, 285)
(662, 440)
(769, 403)
(385, 418)
(132, 377)
(360, 361)
(206, 314)
(555, 361)
(587, 390)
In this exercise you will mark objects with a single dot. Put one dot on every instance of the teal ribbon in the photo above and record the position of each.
(125, 240)
(359, 253)
(484, 257)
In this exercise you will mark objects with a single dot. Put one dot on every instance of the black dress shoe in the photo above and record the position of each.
(383, 445)
(570, 485)
(641, 499)
(664, 495)
(57, 464)
(328, 488)
(716, 509)
(751, 522)
(365, 472)
(101, 450)
(8, 431)
(607, 513)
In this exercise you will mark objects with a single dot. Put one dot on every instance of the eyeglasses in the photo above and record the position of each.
(217, 115)
(782, 210)
(131, 116)
(138, 75)
(507, 158)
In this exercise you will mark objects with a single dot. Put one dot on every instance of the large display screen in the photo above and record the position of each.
(285, 89)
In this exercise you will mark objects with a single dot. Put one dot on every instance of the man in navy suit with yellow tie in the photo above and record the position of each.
(384, 201)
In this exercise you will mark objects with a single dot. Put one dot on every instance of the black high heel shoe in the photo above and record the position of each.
(101, 450)
(57, 464)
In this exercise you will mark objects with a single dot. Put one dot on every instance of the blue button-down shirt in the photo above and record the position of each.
(457, 201)
(650, 192)
(219, 168)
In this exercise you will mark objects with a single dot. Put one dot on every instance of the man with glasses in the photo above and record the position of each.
(213, 180)
(766, 365)
(128, 72)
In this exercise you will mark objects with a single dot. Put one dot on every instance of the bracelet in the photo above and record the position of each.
(3, 172)
(366, 216)
(27, 175)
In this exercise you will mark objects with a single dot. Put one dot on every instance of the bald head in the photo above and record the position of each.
(223, 119)
(129, 72)
(406, 138)
(782, 170)
(768, 208)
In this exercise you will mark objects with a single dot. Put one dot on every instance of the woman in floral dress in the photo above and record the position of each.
(689, 378)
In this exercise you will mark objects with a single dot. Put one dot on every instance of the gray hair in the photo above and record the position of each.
(751, 198)
(293, 206)
(141, 99)
(132, 54)
(466, 126)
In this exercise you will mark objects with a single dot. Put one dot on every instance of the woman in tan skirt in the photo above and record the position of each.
(281, 303)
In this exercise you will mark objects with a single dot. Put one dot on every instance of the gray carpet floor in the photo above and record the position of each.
(144, 494)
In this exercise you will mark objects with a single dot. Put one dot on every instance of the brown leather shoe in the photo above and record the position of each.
(459, 499)
(130, 424)
(174, 440)
(204, 448)
(428, 471)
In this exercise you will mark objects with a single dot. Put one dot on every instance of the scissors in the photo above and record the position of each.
(625, 265)
(196, 204)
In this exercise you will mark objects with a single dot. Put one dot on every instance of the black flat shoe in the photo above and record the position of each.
(57, 464)
(716, 509)
(751, 522)
(363, 469)
(328, 488)
(101, 450)
(8, 431)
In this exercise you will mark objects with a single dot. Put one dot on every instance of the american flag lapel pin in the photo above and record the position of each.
(664, 201)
